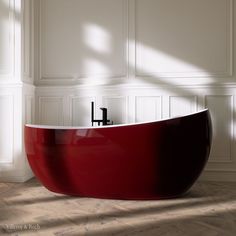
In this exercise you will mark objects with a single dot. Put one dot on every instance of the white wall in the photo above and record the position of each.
(16, 89)
(144, 60)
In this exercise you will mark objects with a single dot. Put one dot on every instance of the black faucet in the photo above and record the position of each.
(104, 120)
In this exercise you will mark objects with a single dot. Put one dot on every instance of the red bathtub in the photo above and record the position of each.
(152, 160)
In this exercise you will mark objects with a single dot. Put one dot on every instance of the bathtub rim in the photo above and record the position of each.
(111, 126)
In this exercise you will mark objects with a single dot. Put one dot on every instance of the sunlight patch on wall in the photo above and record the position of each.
(97, 39)
(4, 37)
(150, 61)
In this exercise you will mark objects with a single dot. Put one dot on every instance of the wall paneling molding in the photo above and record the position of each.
(170, 58)
(77, 77)
(148, 108)
(28, 45)
(51, 110)
(7, 128)
(7, 62)
(146, 53)
(221, 107)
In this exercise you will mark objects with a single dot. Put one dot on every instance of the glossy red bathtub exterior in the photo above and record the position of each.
(142, 161)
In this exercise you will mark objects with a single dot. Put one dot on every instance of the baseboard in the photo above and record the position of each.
(225, 176)
(17, 178)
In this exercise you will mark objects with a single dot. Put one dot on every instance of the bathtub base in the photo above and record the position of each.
(120, 197)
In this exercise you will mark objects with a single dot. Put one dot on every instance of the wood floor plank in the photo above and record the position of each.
(209, 209)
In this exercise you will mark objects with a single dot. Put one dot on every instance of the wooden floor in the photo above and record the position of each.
(29, 209)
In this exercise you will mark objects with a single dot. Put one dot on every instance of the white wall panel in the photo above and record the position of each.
(182, 105)
(29, 109)
(28, 40)
(81, 111)
(183, 38)
(51, 110)
(222, 118)
(82, 38)
(6, 37)
(6, 128)
(116, 109)
(148, 108)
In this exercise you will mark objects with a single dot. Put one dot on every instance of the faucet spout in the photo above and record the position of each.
(104, 119)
